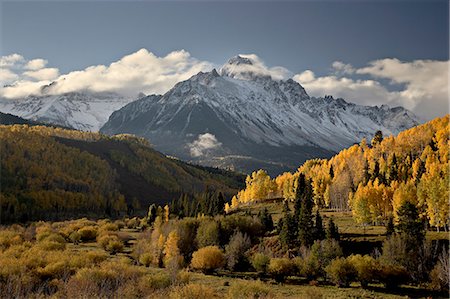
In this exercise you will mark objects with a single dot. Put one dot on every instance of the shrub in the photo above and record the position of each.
(183, 277)
(440, 275)
(95, 257)
(249, 289)
(157, 281)
(87, 233)
(52, 237)
(260, 262)
(319, 256)
(235, 250)
(104, 240)
(299, 264)
(208, 259)
(207, 233)
(132, 223)
(54, 270)
(193, 291)
(279, 268)
(75, 237)
(115, 246)
(51, 245)
(366, 268)
(341, 272)
(392, 275)
(8, 238)
(109, 227)
(145, 259)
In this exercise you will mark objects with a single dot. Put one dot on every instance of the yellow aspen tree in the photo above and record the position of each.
(171, 250)
(166, 213)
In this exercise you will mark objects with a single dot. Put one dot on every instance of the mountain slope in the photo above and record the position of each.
(54, 173)
(82, 111)
(245, 120)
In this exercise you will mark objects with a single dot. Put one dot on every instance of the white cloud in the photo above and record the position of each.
(11, 60)
(203, 144)
(36, 64)
(343, 68)
(424, 91)
(255, 67)
(42, 74)
(7, 76)
(141, 71)
(364, 92)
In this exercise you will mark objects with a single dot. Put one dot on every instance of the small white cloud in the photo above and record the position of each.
(305, 77)
(203, 144)
(343, 68)
(255, 68)
(42, 74)
(35, 64)
(11, 60)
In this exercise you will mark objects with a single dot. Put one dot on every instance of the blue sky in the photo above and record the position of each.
(297, 35)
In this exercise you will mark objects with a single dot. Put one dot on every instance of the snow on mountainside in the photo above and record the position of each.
(83, 111)
(240, 116)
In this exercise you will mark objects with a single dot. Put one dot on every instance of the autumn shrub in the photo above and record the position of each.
(51, 245)
(132, 223)
(280, 268)
(187, 231)
(208, 233)
(54, 270)
(440, 275)
(236, 249)
(193, 291)
(95, 257)
(183, 277)
(75, 237)
(88, 233)
(250, 290)
(114, 246)
(108, 227)
(246, 224)
(260, 262)
(341, 272)
(208, 259)
(299, 265)
(392, 275)
(104, 280)
(104, 240)
(43, 229)
(366, 268)
(160, 280)
(52, 237)
(120, 223)
(318, 257)
(8, 238)
(145, 259)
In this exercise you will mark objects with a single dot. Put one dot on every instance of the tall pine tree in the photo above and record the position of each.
(319, 232)
(305, 220)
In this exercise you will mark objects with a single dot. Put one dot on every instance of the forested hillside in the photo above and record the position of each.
(374, 179)
(54, 173)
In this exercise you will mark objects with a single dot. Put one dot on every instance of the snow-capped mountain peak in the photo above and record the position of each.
(244, 68)
(251, 117)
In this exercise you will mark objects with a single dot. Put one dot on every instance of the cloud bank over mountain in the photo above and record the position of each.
(420, 85)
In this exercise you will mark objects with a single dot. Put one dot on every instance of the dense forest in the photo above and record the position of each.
(55, 173)
(374, 179)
